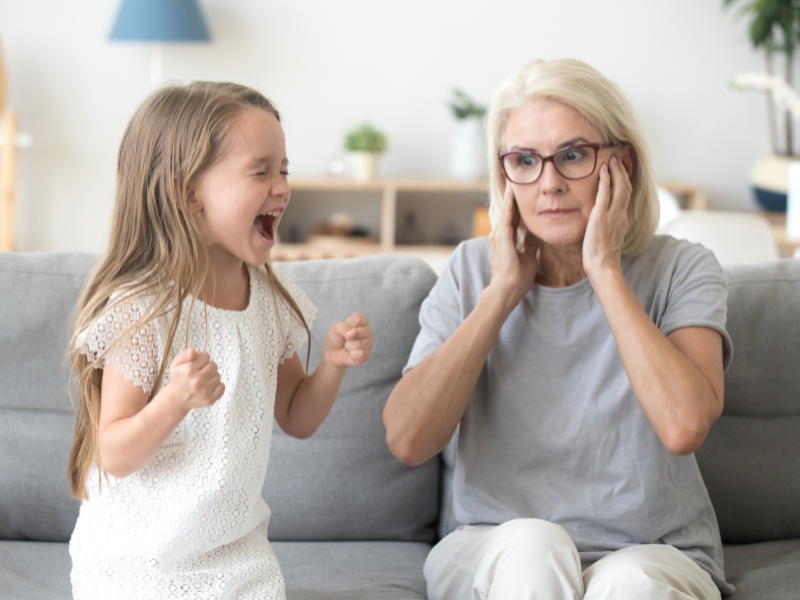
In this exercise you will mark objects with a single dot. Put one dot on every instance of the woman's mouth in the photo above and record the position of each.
(557, 212)
(265, 224)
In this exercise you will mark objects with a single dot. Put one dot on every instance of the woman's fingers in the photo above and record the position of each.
(603, 189)
(507, 212)
(620, 185)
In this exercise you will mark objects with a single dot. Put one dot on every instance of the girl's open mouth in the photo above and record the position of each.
(265, 225)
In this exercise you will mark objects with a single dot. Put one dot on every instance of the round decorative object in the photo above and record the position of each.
(770, 181)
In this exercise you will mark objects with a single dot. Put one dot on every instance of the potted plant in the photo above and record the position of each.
(365, 145)
(774, 28)
(467, 157)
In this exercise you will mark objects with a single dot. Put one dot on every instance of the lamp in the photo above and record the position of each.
(159, 21)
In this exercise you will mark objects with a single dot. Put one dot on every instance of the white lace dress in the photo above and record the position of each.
(192, 524)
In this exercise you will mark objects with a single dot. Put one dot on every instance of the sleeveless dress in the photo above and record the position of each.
(192, 523)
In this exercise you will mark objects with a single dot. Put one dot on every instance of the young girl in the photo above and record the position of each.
(172, 443)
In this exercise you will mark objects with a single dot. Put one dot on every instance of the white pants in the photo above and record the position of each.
(531, 559)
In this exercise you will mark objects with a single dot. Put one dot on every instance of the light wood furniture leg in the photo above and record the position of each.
(388, 207)
(7, 181)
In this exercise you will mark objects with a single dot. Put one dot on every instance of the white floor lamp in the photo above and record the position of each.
(159, 22)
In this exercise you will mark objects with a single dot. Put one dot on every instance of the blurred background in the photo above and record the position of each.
(331, 65)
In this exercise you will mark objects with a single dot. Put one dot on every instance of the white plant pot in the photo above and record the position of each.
(365, 165)
(467, 153)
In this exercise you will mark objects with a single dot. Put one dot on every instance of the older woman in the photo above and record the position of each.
(578, 360)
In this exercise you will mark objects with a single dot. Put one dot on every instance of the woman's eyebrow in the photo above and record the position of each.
(567, 144)
(573, 141)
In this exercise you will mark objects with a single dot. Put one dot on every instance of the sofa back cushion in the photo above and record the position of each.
(751, 459)
(343, 483)
(38, 294)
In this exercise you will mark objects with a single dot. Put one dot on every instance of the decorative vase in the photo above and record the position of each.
(467, 157)
(770, 181)
(365, 165)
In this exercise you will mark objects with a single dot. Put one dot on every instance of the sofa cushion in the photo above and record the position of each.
(353, 570)
(751, 458)
(313, 571)
(40, 292)
(343, 483)
(765, 571)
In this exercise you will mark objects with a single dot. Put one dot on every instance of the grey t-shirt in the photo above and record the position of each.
(554, 431)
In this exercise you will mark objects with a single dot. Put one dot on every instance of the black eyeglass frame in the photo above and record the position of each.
(596, 147)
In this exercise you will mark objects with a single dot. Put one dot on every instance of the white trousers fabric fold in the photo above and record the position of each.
(527, 559)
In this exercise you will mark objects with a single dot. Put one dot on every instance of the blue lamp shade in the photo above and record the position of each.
(160, 21)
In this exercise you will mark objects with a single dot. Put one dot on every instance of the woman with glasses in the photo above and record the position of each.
(576, 362)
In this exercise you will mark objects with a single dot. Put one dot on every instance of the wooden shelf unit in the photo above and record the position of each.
(388, 189)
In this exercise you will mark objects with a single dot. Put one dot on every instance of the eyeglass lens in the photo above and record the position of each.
(572, 163)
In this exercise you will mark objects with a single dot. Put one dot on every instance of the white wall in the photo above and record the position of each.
(332, 64)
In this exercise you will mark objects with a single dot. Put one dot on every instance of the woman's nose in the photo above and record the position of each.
(550, 180)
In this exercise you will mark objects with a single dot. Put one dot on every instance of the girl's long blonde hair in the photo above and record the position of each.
(601, 102)
(154, 247)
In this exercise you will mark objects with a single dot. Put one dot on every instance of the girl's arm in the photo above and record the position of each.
(131, 430)
(427, 404)
(678, 379)
(302, 402)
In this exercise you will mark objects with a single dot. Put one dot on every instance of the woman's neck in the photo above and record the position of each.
(228, 284)
(560, 266)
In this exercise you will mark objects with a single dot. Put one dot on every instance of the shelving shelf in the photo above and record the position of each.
(388, 190)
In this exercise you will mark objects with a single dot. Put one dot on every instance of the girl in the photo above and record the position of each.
(171, 445)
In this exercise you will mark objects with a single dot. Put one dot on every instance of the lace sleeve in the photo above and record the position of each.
(296, 335)
(135, 355)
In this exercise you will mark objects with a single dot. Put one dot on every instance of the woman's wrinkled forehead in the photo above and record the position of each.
(539, 122)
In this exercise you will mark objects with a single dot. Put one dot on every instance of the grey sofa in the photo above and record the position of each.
(348, 520)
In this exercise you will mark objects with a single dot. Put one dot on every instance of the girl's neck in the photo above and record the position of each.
(560, 266)
(228, 284)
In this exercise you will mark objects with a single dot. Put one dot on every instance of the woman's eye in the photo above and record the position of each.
(526, 160)
(573, 155)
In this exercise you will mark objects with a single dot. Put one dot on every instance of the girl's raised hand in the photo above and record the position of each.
(608, 222)
(194, 379)
(513, 273)
(348, 343)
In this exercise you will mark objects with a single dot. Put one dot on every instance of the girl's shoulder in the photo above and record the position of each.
(286, 298)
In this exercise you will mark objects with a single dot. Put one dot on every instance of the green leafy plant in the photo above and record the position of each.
(774, 28)
(365, 139)
(464, 107)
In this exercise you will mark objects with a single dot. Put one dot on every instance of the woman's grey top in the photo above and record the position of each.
(554, 431)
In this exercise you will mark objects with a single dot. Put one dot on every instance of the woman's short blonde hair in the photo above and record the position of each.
(602, 103)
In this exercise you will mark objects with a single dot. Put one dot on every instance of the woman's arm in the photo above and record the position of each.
(303, 402)
(131, 430)
(678, 379)
(427, 404)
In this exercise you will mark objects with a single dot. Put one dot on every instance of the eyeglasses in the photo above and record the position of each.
(523, 167)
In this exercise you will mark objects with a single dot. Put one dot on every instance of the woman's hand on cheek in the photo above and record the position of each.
(513, 273)
(348, 343)
(608, 222)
